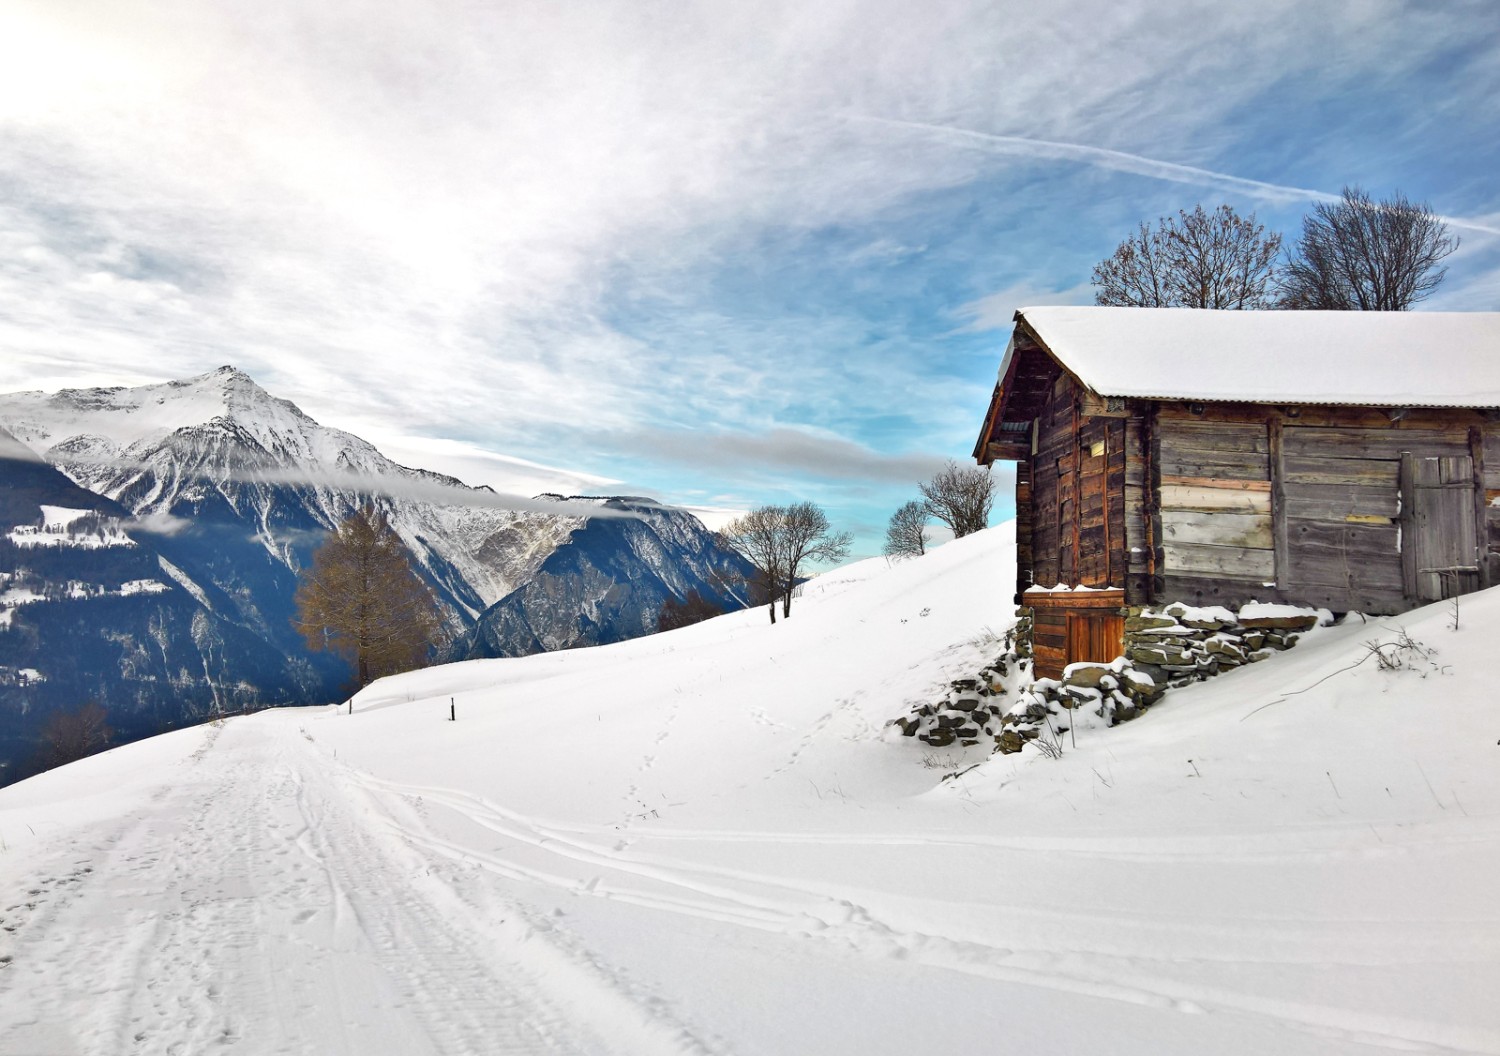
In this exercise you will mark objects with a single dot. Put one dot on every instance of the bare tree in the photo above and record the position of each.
(1360, 254)
(778, 541)
(960, 497)
(807, 536)
(756, 536)
(70, 735)
(906, 535)
(362, 600)
(1199, 260)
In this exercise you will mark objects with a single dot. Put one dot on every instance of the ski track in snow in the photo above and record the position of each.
(755, 900)
(259, 909)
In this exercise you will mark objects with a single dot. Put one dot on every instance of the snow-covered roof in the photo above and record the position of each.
(1381, 359)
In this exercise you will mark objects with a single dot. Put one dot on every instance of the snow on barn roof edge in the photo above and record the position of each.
(1372, 359)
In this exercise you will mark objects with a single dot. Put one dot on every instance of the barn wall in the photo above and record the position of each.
(1215, 501)
(1305, 507)
(1086, 486)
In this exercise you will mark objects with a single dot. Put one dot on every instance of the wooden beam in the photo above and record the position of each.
(1481, 517)
(1408, 526)
(1007, 451)
(1279, 541)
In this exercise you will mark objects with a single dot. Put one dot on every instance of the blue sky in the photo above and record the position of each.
(721, 254)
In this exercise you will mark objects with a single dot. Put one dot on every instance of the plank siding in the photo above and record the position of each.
(1135, 514)
(1025, 569)
(1216, 501)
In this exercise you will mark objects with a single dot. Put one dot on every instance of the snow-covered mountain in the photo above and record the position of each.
(219, 448)
(91, 610)
(231, 488)
(608, 582)
(709, 842)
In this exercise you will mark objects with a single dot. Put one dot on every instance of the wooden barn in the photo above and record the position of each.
(1347, 460)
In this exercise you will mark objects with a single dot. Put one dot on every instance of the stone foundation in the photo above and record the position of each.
(1005, 706)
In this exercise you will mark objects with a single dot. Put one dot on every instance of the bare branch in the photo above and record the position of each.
(1199, 260)
(1362, 255)
(960, 497)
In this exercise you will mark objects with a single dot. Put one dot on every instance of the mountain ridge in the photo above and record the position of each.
(232, 488)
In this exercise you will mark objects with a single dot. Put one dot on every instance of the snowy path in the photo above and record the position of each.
(254, 905)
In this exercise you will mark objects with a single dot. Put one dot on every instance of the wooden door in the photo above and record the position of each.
(1439, 547)
(1095, 638)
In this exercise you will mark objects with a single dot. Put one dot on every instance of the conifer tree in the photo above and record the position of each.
(361, 599)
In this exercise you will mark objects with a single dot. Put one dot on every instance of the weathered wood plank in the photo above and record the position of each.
(1379, 578)
(1357, 543)
(1216, 482)
(1338, 502)
(1218, 529)
(1181, 434)
(1323, 469)
(1208, 590)
(1214, 500)
(1251, 467)
(1233, 562)
(1374, 443)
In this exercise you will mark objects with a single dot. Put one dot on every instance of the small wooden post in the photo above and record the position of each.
(452, 710)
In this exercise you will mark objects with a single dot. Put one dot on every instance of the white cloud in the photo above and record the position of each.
(997, 311)
(416, 214)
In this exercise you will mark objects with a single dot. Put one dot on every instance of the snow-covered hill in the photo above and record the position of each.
(707, 841)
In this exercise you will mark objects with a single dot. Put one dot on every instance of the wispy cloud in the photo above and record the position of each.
(784, 451)
(535, 227)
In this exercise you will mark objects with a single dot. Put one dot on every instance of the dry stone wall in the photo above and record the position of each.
(1005, 706)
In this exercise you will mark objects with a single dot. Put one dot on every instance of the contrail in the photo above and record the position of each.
(1122, 161)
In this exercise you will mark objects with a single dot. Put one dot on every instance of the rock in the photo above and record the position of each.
(1280, 623)
(938, 738)
(1168, 654)
(1146, 623)
(1085, 676)
(964, 704)
(980, 715)
(1124, 713)
(1253, 639)
(965, 685)
(967, 731)
(1078, 697)
(1009, 742)
(1153, 672)
(949, 722)
(1224, 648)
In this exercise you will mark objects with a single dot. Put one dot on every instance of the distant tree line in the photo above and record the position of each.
(1353, 254)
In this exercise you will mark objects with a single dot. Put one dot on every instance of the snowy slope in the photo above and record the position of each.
(707, 842)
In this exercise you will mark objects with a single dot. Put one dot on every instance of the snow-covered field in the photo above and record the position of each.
(708, 842)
